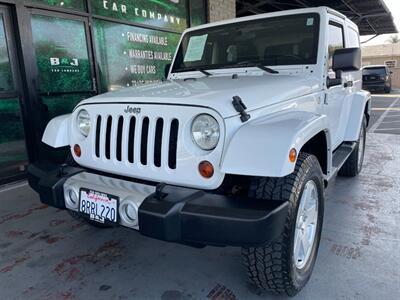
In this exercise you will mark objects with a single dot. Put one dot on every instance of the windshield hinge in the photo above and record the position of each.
(240, 108)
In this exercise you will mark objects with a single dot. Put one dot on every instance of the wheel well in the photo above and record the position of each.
(317, 146)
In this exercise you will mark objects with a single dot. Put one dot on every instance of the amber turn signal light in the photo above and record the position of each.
(206, 169)
(77, 150)
(292, 155)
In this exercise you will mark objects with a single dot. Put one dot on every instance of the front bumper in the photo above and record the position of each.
(181, 215)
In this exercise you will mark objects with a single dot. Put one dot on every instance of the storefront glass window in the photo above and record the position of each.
(12, 146)
(6, 80)
(130, 55)
(61, 55)
(63, 104)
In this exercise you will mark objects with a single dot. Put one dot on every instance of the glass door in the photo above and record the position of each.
(13, 155)
(64, 67)
(63, 59)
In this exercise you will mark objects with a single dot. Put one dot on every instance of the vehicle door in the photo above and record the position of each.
(352, 82)
(335, 95)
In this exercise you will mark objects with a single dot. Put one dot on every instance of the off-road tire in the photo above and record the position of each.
(352, 167)
(387, 89)
(272, 266)
(75, 215)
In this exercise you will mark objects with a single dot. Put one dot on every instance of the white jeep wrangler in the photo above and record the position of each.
(235, 147)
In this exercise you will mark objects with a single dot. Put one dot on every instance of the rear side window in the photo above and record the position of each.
(354, 41)
(335, 39)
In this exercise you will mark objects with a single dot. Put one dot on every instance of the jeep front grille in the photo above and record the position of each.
(137, 140)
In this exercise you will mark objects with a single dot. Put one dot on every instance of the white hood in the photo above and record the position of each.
(216, 92)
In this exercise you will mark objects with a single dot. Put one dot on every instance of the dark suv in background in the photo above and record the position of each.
(377, 78)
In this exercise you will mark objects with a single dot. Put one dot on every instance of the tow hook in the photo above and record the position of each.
(240, 107)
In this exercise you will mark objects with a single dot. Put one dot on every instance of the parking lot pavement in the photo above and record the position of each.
(385, 117)
(44, 254)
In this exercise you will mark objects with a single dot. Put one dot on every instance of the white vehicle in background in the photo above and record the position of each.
(234, 148)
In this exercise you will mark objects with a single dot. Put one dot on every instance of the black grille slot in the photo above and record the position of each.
(119, 138)
(173, 142)
(158, 142)
(144, 140)
(98, 129)
(108, 137)
(131, 139)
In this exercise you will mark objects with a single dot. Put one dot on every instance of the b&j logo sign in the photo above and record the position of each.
(64, 65)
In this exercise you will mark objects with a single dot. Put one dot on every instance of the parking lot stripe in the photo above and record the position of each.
(386, 129)
(386, 96)
(13, 186)
(382, 117)
(390, 122)
(384, 108)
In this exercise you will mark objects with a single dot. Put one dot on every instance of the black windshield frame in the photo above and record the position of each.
(179, 64)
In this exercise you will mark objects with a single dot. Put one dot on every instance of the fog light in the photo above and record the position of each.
(206, 169)
(71, 198)
(128, 212)
(77, 150)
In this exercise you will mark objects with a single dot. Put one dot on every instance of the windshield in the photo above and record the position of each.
(374, 71)
(284, 40)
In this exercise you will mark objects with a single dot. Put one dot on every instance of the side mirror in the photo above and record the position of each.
(166, 70)
(344, 60)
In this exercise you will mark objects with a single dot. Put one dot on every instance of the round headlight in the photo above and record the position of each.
(83, 122)
(205, 132)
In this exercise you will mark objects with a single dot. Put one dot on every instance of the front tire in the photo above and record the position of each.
(281, 266)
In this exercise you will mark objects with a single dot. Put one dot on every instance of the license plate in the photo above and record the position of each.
(98, 206)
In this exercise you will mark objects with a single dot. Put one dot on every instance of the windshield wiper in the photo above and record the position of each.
(257, 65)
(203, 71)
(266, 69)
(198, 69)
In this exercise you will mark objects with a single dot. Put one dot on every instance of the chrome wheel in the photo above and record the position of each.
(361, 149)
(306, 225)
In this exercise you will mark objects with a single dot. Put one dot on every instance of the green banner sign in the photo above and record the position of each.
(130, 55)
(168, 14)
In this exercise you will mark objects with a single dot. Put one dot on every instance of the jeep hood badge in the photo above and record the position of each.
(132, 110)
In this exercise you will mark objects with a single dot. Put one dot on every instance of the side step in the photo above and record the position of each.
(340, 156)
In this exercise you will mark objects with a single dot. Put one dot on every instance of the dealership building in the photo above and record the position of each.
(54, 53)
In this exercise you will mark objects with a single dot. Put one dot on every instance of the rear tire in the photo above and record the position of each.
(353, 165)
(276, 267)
(75, 215)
